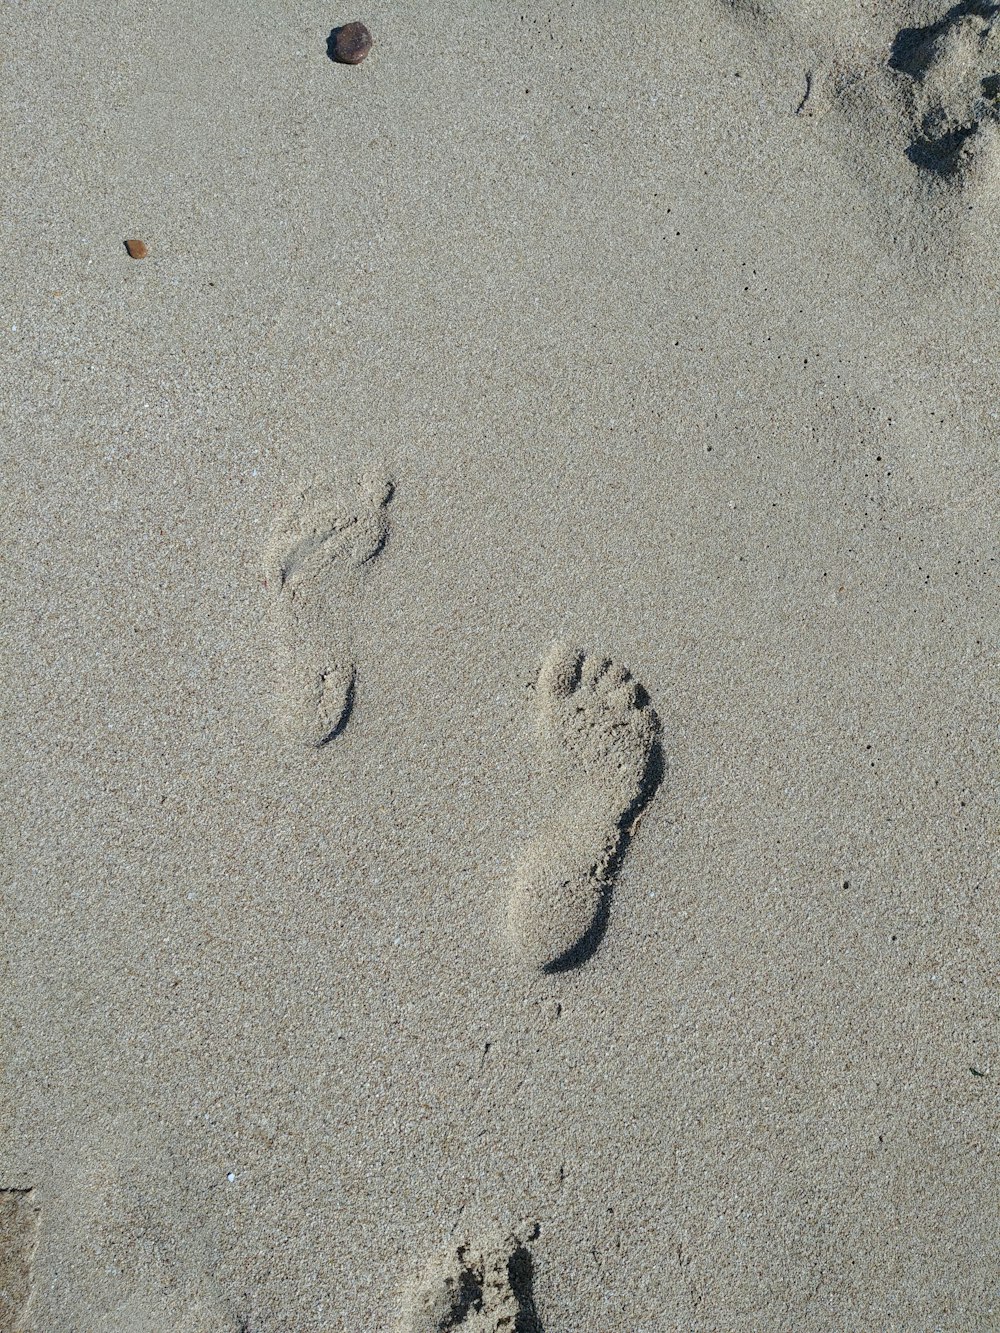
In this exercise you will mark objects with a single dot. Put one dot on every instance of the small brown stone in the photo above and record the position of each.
(136, 249)
(349, 44)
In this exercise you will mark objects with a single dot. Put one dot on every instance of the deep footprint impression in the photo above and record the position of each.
(953, 88)
(19, 1218)
(602, 738)
(479, 1289)
(319, 552)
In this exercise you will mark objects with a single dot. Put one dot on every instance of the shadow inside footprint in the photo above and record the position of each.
(19, 1220)
(952, 64)
(942, 154)
(478, 1288)
(345, 716)
(914, 49)
(588, 944)
(521, 1276)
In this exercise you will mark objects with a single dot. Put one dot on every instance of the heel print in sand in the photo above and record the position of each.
(19, 1216)
(317, 558)
(602, 735)
(480, 1289)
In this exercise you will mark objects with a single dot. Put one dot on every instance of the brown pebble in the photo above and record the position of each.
(350, 43)
(136, 249)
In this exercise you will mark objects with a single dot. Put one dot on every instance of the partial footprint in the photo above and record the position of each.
(319, 552)
(952, 68)
(934, 96)
(480, 1289)
(19, 1216)
(603, 741)
(150, 1264)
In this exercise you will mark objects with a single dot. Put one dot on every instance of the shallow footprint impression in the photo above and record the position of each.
(479, 1289)
(19, 1219)
(320, 549)
(602, 737)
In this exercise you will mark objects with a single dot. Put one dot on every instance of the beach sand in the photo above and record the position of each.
(369, 960)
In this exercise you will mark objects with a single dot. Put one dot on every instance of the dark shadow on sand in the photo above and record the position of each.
(588, 944)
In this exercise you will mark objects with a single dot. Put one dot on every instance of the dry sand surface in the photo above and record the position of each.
(499, 622)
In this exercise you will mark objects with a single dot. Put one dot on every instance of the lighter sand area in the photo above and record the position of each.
(499, 659)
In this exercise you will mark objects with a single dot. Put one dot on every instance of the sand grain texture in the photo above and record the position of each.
(672, 348)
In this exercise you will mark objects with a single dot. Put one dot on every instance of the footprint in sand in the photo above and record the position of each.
(479, 1289)
(602, 739)
(320, 550)
(936, 97)
(19, 1218)
(951, 80)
